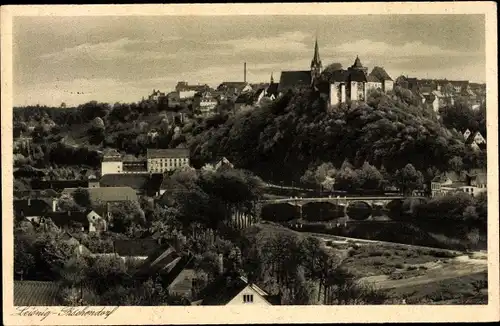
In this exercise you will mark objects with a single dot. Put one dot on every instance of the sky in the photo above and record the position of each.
(122, 59)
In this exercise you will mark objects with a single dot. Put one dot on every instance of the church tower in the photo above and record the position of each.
(316, 66)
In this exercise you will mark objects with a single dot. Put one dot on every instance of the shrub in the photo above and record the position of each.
(399, 265)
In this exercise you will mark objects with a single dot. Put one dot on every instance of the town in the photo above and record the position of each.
(330, 185)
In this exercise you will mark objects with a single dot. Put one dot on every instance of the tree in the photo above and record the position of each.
(81, 197)
(106, 272)
(126, 214)
(456, 164)
(24, 261)
(408, 179)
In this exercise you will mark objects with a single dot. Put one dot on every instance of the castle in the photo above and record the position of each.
(339, 86)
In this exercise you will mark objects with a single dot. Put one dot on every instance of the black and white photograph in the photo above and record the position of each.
(250, 160)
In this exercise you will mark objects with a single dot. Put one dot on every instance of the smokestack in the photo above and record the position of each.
(245, 72)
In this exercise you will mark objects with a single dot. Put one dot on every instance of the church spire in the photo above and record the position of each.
(272, 79)
(316, 61)
(316, 65)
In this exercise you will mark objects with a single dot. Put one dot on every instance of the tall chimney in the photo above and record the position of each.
(245, 72)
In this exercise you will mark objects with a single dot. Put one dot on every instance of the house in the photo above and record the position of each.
(111, 163)
(186, 91)
(173, 100)
(143, 183)
(243, 100)
(233, 289)
(100, 197)
(473, 183)
(467, 133)
(85, 221)
(379, 79)
(205, 103)
(156, 95)
(162, 160)
(33, 209)
(139, 249)
(234, 88)
(134, 165)
(36, 293)
(476, 141)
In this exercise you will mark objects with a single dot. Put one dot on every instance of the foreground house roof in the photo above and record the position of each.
(31, 207)
(36, 293)
(226, 287)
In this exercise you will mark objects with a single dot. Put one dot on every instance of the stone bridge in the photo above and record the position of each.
(325, 207)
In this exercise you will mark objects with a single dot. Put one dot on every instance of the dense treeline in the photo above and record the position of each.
(282, 140)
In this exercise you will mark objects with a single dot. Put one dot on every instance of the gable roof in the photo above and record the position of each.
(57, 185)
(100, 196)
(380, 74)
(357, 76)
(135, 247)
(167, 153)
(149, 182)
(372, 79)
(36, 293)
(340, 75)
(225, 288)
(471, 139)
(68, 218)
(292, 79)
(272, 89)
(31, 207)
(245, 98)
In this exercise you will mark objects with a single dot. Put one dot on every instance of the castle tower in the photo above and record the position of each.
(316, 66)
(358, 66)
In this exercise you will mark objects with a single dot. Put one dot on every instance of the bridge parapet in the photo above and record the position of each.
(371, 201)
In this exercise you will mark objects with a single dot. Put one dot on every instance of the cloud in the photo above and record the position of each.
(118, 49)
(372, 48)
(286, 42)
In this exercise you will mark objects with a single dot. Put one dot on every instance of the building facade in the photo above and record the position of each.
(163, 160)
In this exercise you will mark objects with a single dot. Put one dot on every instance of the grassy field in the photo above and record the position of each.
(469, 289)
(417, 275)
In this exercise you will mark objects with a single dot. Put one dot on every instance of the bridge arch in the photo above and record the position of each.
(322, 211)
(280, 212)
(359, 210)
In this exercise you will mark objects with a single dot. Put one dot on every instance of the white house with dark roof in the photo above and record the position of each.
(162, 160)
(379, 79)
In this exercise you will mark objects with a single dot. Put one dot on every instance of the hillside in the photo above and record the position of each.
(279, 141)
(282, 140)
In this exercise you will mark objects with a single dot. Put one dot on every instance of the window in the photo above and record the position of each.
(247, 298)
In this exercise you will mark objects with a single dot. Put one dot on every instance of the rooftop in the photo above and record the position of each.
(292, 79)
(36, 293)
(168, 153)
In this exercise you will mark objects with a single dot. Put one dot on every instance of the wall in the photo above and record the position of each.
(354, 91)
(166, 164)
(388, 85)
(111, 167)
(334, 94)
(186, 94)
(257, 298)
